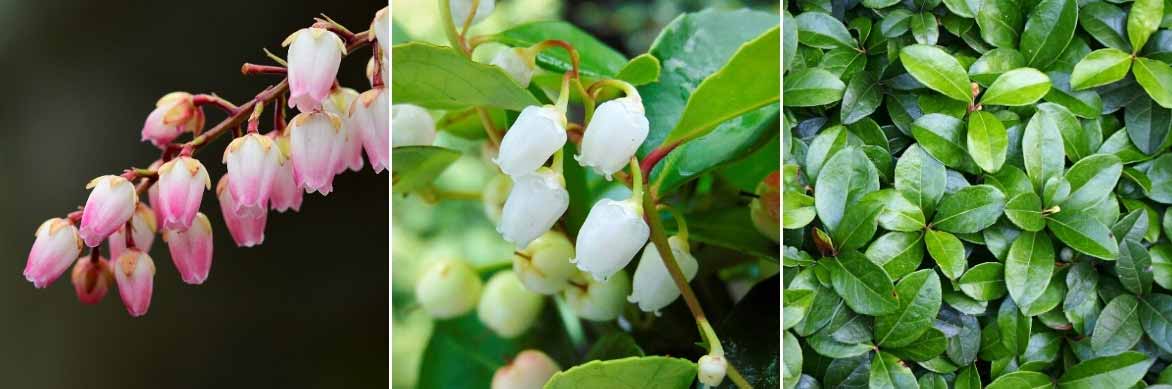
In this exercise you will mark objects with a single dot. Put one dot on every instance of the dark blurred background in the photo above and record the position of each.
(308, 308)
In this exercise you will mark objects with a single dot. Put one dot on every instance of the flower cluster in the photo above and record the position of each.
(266, 171)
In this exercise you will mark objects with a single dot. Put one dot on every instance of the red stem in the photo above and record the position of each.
(654, 157)
(251, 68)
(219, 102)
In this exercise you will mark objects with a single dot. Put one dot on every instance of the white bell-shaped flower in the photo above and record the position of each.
(612, 234)
(518, 66)
(653, 287)
(461, 8)
(535, 203)
(411, 125)
(538, 133)
(615, 132)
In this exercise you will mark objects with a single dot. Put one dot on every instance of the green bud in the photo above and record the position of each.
(507, 307)
(448, 288)
(544, 267)
(599, 300)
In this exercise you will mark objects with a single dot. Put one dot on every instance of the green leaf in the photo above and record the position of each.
(1029, 266)
(968, 378)
(937, 70)
(596, 58)
(1000, 22)
(1118, 327)
(816, 29)
(789, 40)
(1148, 125)
(1161, 175)
(825, 145)
(633, 372)
(994, 63)
(1041, 144)
(861, 98)
(919, 302)
(948, 252)
(848, 176)
(929, 345)
(796, 303)
(1017, 87)
(791, 368)
(1025, 211)
(899, 253)
(984, 282)
(863, 285)
(1083, 234)
(441, 78)
(1085, 104)
(1100, 67)
(1105, 22)
(969, 210)
(1048, 30)
(1162, 264)
(920, 178)
(1155, 314)
(415, 167)
(1091, 180)
(898, 213)
(1021, 380)
(943, 137)
(616, 345)
(748, 81)
(1118, 371)
(1156, 78)
(988, 141)
(731, 228)
(924, 28)
(1143, 19)
(1082, 297)
(642, 70)
(1134, 267)
(858, 224)
(888, 372)
(1013, 327)
(812, 87)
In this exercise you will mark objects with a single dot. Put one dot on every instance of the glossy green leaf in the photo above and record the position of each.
(969, 210)
(596, 58)
(1106, 23)
(858, 223)
(1161, 255)
(1134, 267)
(1017, 87)
(1118, 327)
(984, 282)
(920, 177)
(988, 141)
(937, 70)
(1083, 234)
(812, 87)
(791, 368)
(943, 137)
(924, 28)
(823, 31)
(888, 372)
(1048, 30)
(1025, 212)
(1155, 315)
(1091, 179)
(948, 252)
(994, 63)
(848, 176)
(1000, 22)
(415, 167)
(439, 77)
(789, 40)
(641, 70)
(863, 285)
(1029, 266)
(1081, 305)
(861, 97)
(1100, 67)
(1161, 175)
(899, 253)
(919, 301)
(1142, 20)
(634, 372)
(1148, 125)
(1042, 146)
(1156, 78)
(1021, 380)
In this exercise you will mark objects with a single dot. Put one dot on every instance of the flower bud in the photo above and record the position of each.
(615, 132)
(612, 234)
(56, 246)
(765, 209)
(144, 226)
(314, 57)
(535, 203)
(286, 194)
(461, 8)
(368, 114)
(91, 279)
(516, 64)
(544, 266)
(653, 287)
(111, 203)
(255, 160)
(173, 115)
(495, 193)
(191, 250)
(537, 134)
(339, 103)
(134, 272)
(712, 369)
(448, 288)
(316, 140)
(506, 307)
(381, 25)
(597, 300)
(246, 231)
(181, 184)
(411, 125)
(530, 369)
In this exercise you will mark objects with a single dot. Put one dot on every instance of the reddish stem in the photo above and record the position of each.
(95, 255)
(654, 157)
(251, 68)
(219, 102)
(130, 234)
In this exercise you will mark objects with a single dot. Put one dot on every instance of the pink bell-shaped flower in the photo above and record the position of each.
(134, 271)
(339, 103)
(181, 184)
(245, 231)
(255, 160)
(286, 194)
(174, 114)
(91, 279)
(316, 140)
(57, 246)
(144, 225)
(110, 205)
(191, 250)
(368, 116)
(314, 57)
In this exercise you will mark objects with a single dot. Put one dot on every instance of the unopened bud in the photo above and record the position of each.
(448, 288)
(506, 307)
(173, 115)
(91, 279)
(57, 245)
(314, 57)
(111, 203)
(530, 369)
(544, 267)
(135, 273)
(182, 182)
(596, 300)
(712, 369)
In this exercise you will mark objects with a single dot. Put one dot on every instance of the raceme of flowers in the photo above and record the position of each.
(266, 170)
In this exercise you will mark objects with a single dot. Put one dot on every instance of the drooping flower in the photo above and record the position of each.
(245, 231)
(316, 140)
(144, 224)
(286, 194)
(182, 182)
(535, 203)
(134, 271)
(314, 57)
(712, 369)
(381, 25)
(544, 267)
(517, 64)
(255, 161)
(506, 307)
(173, 115)
(191, 250)
(615, 132)
(596, 300)
(338, 103)
(612, 234)
(448, 288)
(368, 115)
(57, 245)
(461, 9)
(530, 369)
(537, 134)
(411, 125)
(110, 205)
(653, 287)
(91, 279)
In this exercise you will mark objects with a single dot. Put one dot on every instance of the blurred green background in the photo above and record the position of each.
(424, 232)
(308, 308)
